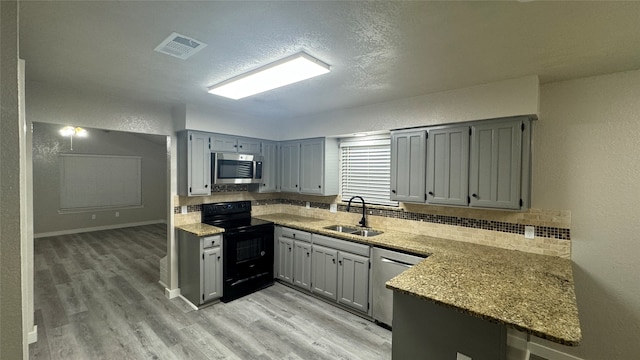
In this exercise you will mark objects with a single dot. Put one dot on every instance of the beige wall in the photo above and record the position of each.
(587, 160)
(48, 144)
(12, 340)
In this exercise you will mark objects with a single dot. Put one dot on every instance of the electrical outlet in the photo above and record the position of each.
(93, 216)
(333, 208)
(460, 356)
(529, 232)
(183, 210)
(308, 205)
(117, 213)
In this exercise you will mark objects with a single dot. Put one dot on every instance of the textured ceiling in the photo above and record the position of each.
(379, 51)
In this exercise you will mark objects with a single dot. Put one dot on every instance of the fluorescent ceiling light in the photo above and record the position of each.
(280, 73)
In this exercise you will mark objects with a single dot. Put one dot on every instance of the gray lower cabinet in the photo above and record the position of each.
(353, 281)
(302, 265)
(325, 272)
(294, 257)
(341, 271)
(212, 279)
(200, 267)
(285, 259)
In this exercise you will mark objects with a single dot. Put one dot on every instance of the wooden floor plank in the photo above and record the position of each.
(97, 297)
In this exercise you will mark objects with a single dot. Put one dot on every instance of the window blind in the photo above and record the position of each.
(99, 181)
(365, 169)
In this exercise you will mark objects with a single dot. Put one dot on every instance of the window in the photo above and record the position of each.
(99, 181)
(365, 169)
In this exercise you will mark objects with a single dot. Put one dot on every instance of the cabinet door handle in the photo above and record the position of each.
(431, 193)
(289, 249)
(393, 191)
(319, 187)
(334, 260)
(206, 186)
(296, 185)
(475, 195)
(219, 258)
(340, 262)
(307, 254)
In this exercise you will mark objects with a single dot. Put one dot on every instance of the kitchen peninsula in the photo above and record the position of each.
(509, 289)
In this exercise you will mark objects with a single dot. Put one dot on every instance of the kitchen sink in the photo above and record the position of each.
(342, 229)
(367, 233)
(353, 230)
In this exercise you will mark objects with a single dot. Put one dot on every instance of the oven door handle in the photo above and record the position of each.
(241, 231)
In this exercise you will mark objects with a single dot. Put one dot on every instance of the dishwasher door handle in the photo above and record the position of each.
(389, 261)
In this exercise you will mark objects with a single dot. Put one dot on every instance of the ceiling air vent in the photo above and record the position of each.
(180, 46)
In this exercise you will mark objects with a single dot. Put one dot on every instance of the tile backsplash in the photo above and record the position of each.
(504, 229)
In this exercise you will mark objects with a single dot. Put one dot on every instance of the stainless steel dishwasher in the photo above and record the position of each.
(387, 264)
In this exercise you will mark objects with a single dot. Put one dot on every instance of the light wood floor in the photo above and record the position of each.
(97, 297)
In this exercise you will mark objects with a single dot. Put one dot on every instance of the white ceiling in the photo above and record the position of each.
(378, 51)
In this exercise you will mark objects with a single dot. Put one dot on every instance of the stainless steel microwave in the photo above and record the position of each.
(230, 168)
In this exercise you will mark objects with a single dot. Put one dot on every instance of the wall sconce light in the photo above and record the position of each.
(71, 131)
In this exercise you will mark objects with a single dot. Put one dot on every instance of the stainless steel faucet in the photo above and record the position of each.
(363, 221)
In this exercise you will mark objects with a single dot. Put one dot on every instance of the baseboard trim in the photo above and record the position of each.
(171, 293)
(188, 302)
(549, 353)
(98, 228)
(32, 336)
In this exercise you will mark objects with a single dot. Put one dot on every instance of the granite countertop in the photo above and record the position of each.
(200, 229)
(528, 292)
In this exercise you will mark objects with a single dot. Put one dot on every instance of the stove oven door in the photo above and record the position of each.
(248, 260)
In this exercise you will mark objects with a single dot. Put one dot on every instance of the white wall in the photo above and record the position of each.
(587, 146)
(501, 99)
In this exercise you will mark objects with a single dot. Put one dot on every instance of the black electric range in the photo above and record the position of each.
(248, 248)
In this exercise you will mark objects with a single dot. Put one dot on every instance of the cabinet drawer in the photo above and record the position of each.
(296, 234)
(211, 241)
(348, 246)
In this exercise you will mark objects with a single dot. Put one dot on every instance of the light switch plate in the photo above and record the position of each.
(460, 356)
(333, 208)
(183, 210)
(529, 232)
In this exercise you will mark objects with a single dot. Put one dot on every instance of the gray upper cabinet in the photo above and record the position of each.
(408, 162)
(289, 166)
(496, 163)
(269, 181)
(319, 169)
(194, 163)
(448, 165)
(229, 143)
(311, 173)
(310, 166)
(484, 164)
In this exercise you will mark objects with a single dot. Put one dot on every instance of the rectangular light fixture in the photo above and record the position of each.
(289, 70)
